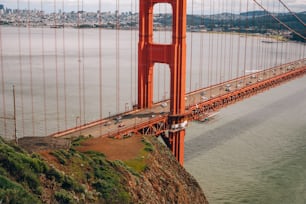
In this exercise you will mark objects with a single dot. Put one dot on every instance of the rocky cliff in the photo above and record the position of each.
(87, 172)
(163, 180)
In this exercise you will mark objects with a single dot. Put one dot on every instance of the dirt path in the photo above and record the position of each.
(36, 144)
(114, 149)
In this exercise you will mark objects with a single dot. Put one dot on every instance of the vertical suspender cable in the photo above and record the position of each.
(252, 44)
(191, 47)
(259, 57)
(20, 69)
(271, 44)
(265, 55)
(43, 71)
(273, 63)
(135, 56)
(299, 19)
(238, 50)
(231, 49)
(100, 66)
(251, 66)
(224, 45)
(216, 42)
(131, 54)
(258, 45)
(117, 59)
(218, 58)
(246, 40)
(159, 74)
(201, 64)
(282, 50)
(56, 68)
(64, 61)
(165, 32)
(279, 21)
(83, 69)
(79, 64)
(31, 67)
(2, 85)
(277, 43)
(210, 56)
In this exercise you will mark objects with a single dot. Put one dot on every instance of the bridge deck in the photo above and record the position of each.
(203, 101)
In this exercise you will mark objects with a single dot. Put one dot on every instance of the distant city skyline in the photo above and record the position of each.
(220, 6)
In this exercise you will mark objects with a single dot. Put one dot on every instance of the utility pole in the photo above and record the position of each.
(14, 117)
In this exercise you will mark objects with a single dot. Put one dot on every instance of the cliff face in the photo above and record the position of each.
(164, 180)
(76, 175)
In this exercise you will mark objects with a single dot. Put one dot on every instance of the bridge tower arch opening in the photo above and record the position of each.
(174, 55)
(162, 23)
(161, 82)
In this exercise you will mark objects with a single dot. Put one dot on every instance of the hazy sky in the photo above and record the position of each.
(217, 6)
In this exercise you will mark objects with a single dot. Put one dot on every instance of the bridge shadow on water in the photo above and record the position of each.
(138, 115)
(239, 126)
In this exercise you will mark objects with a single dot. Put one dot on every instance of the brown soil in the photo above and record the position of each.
(114, 149)
(37, 144)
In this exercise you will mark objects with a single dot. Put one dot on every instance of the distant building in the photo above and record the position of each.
(1, 9)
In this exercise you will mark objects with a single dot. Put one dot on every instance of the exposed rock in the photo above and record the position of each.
(164, 180)
(92, 177)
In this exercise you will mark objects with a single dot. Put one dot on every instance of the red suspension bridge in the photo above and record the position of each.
(73, 81)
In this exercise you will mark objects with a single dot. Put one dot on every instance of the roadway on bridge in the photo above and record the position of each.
(111, 126)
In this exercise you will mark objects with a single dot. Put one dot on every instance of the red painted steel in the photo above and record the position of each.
(160, 125)
(174, 55)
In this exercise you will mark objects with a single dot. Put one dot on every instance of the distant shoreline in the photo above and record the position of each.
(276, 38)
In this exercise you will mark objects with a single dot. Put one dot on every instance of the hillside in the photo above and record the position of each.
(248, 22)
(149, 174)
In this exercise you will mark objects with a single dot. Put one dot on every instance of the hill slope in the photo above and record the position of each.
(75, 175)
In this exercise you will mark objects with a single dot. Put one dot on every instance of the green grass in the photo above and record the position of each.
(77, 141)
(21, 177)
(139, 164)
(23, 167)
(13, 192)
(64, 197)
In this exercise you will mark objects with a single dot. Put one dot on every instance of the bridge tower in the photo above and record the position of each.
(174, 55)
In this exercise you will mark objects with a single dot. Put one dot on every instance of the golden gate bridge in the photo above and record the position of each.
(231, 72)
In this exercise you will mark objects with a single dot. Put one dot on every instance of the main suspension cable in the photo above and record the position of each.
(293, 13)
(279, 21)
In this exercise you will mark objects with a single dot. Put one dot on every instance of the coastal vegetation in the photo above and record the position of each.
(73, 175)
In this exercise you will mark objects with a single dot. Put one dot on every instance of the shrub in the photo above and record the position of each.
(2, 171)
(70, 184)
(57, 154)
(148, 149)
(12, 192)
(148, 146)
(32, 181)
(17, 196)
(77, 141)
(110, 192)
(52, 173)
(64, 197)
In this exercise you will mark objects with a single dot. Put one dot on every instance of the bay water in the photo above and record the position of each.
(252, 152)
